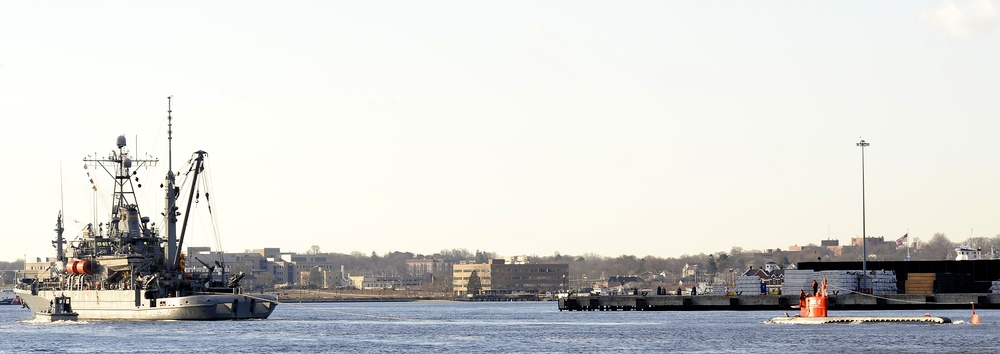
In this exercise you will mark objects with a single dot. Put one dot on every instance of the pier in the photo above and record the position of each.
(587, 302)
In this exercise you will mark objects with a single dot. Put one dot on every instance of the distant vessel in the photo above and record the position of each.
(968, 254)
(124, 270)
(8, 297)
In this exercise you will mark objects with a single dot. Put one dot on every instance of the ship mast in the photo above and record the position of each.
(118, 165)
(60, 254)
(170, 209)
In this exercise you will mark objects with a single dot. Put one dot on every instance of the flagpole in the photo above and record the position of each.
(864, 241)
(907, 244)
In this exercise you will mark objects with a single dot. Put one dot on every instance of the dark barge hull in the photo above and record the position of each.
(959, 284)
(775, 302)
(960, 277)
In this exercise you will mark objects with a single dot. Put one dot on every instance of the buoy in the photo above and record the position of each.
(975, 317)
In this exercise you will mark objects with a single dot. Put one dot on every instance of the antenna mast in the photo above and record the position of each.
(170, 208)
(170, 136)
(62, 198)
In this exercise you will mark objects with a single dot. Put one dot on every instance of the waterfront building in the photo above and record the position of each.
(420, 267)
(499, 277)
(39, 268)
(858, 241)
(622, 280)
(373, 282)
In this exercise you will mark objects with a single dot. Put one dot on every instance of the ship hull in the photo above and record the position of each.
(129, 305)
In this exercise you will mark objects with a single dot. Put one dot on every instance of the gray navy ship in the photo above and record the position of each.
(125, 270)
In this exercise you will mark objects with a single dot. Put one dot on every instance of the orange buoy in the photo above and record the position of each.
(975, 317)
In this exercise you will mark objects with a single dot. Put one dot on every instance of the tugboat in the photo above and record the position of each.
(124, 269)
(813, 311)
(61, 309)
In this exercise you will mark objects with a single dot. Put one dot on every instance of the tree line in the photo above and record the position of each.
(591, 267)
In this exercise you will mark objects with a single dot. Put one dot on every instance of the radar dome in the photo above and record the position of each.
(121, 141)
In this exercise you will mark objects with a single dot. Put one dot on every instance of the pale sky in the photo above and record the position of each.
(645, 128)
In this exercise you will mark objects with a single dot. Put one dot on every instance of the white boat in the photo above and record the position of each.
(967, 254)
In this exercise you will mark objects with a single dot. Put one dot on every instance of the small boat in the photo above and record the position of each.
(968, 254)
(812, 310)
(60, 309)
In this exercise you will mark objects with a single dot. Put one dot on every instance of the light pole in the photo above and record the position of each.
(864, 241)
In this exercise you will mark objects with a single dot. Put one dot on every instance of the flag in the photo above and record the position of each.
(900, 241)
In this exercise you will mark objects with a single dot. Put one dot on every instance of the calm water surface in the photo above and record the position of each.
(510, 327)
